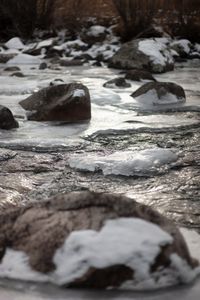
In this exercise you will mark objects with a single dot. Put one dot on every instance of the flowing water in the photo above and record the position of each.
(35, 157)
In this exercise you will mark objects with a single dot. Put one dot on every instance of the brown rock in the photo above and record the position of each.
(39, 229)
(64, 102)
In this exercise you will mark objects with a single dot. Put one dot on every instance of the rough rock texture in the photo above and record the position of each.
(162, 90)
(7, 121)
(139, 75)
(40, 229)
(130, 56)
(64, 102)
(117, 82)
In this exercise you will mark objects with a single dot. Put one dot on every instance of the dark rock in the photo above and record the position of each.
(4, 58)
(40, 229)
(94, 34)
(43, 66)
(182, 47)
(139, 75)
(73, 62)
(162, 90)
(56, 81)
(65, 102)
(7, 121)
(130, 56)
(118, 82)
(17, 74)
(12, 69)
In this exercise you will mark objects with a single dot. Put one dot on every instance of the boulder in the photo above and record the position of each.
(182, 47)
(149, 54)
(139, 75)
(43, 66)
(12, 69)
(95, 240)
(7, 121)
(160, 93)
(64, 102)
(94, 34)
(5, 57)
(119, 82)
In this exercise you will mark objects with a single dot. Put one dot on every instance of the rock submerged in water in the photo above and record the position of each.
(150, 54)
(119, 82)
(160, 93)
(7, 121)
(95, 240)
(64, 102)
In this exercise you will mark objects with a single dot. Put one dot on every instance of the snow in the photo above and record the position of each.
(157, 50)
(45, 43)
(183, 45)
(79, 93)
(23, 59)
(151, 99)
(131, 242)
(192, 239)
(127, 163)
(15, 43)
(96, 30)
(197, 47)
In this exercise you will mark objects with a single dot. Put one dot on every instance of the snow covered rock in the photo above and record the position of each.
(126, 163)
(119, 82)
(94, 34)
(7, 121)
(15, 43)
(139, 75)
(24, 59)
(64, 102)
(182, 47)
(95, 240)
(150, 54)
(160, 93)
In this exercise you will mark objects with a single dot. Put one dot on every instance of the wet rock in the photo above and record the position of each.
(57, 238)
(73, 62)
(7, 121)
(12, 69)
(149, 54)
(65, 102)
(56, 81)
(160, 93)
(139, 75)
(17, 74)
(117, 82)
(43, 66)
(4, 58)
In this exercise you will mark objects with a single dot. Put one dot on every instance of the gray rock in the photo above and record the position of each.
(117, 82)
(64, 102)
(12, 69)
(43, 66)
(17, 74)
(7, 121)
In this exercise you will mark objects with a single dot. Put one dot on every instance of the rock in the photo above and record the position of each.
(95, 240)
(182, 47)
(7, 121)
(149, 54)
(94, 34)
(65, 102)
(4, 58)
(56, 81)
(17, 74)
(139, 75)
(15, 43)
(12, 69)
(40, 47)
(43, 66)
(73, 62)
(117, 82)
(160, 93)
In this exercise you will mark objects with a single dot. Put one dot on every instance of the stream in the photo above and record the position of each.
(35, 158)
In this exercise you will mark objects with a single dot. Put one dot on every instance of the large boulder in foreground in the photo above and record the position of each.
(160, 93)
(64, 102)
(87, 239)
(149, 54)
(7, 121)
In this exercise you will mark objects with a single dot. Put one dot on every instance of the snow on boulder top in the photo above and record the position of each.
(128, 163)
(157, 50)
(96, 30)
(23, 59)
(181, 46)
(15, 43)
(44, 44)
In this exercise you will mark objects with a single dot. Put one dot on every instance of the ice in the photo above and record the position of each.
(22, 59)
(126, 163)
(15, 43)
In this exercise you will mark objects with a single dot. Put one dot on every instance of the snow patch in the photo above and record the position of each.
(127, 163)
(15, 43)
(79, 93)
(183, 45)
(96, 30)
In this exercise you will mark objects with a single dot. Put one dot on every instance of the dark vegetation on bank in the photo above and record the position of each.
(134, 18)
